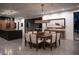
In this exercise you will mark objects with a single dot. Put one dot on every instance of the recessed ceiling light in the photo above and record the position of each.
(8, 12)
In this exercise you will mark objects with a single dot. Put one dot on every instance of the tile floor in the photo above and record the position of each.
(14, 47)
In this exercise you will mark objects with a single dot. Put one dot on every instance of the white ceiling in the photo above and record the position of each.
(31, 10)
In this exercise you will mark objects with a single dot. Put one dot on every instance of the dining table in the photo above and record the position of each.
(44, 37)
(56, 31)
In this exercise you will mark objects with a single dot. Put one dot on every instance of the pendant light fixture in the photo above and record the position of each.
(42, 14)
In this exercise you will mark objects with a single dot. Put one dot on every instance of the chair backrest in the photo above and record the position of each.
(33, 38)
(34, 31)
(27, 37)
(30, 32)
(58, 36)
(53, 37)
(46, 32)
(52, 32)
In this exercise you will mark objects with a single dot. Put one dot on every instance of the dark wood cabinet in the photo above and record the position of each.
(31, 25)
(11, 34)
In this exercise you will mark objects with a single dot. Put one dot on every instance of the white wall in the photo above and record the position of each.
(69, 22)
(21, 21)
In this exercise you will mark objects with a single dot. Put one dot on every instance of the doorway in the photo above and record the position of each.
(76, 25)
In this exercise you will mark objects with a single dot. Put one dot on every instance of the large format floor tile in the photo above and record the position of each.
(14, 47)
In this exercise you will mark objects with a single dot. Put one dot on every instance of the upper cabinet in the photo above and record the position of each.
(32, 25)
(7, 23)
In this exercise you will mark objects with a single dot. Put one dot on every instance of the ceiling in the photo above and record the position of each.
(32, 10)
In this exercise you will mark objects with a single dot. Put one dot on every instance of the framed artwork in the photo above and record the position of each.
(59, 22)
(21, 24)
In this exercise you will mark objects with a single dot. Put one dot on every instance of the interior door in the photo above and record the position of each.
(76, 25)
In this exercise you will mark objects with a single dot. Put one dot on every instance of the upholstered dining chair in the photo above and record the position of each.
(53, 32)
(52, 40)
(58, 38)
(34, 31)
(27, 38)
(46, 32)
(30, 32)
(35, 40)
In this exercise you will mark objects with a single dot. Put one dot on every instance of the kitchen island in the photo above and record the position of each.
(10, 34)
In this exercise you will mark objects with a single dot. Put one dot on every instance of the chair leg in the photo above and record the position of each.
(36, 47)
(51, 47)
(25, 42)
(59, 42)
(55, 44)
(30, 45)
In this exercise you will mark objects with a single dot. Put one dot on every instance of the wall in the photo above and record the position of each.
(20, 20)
(21, 27)
(68, 15)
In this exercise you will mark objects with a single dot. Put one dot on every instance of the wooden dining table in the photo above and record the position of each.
(44, 37)
(56, 31)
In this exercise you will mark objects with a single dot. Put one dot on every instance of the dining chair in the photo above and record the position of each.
(30, 32)
(34, 31)
(35, 40)
(53, 32)
(46, 32)
(27, 37)
(52, 40)
(58, 38)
